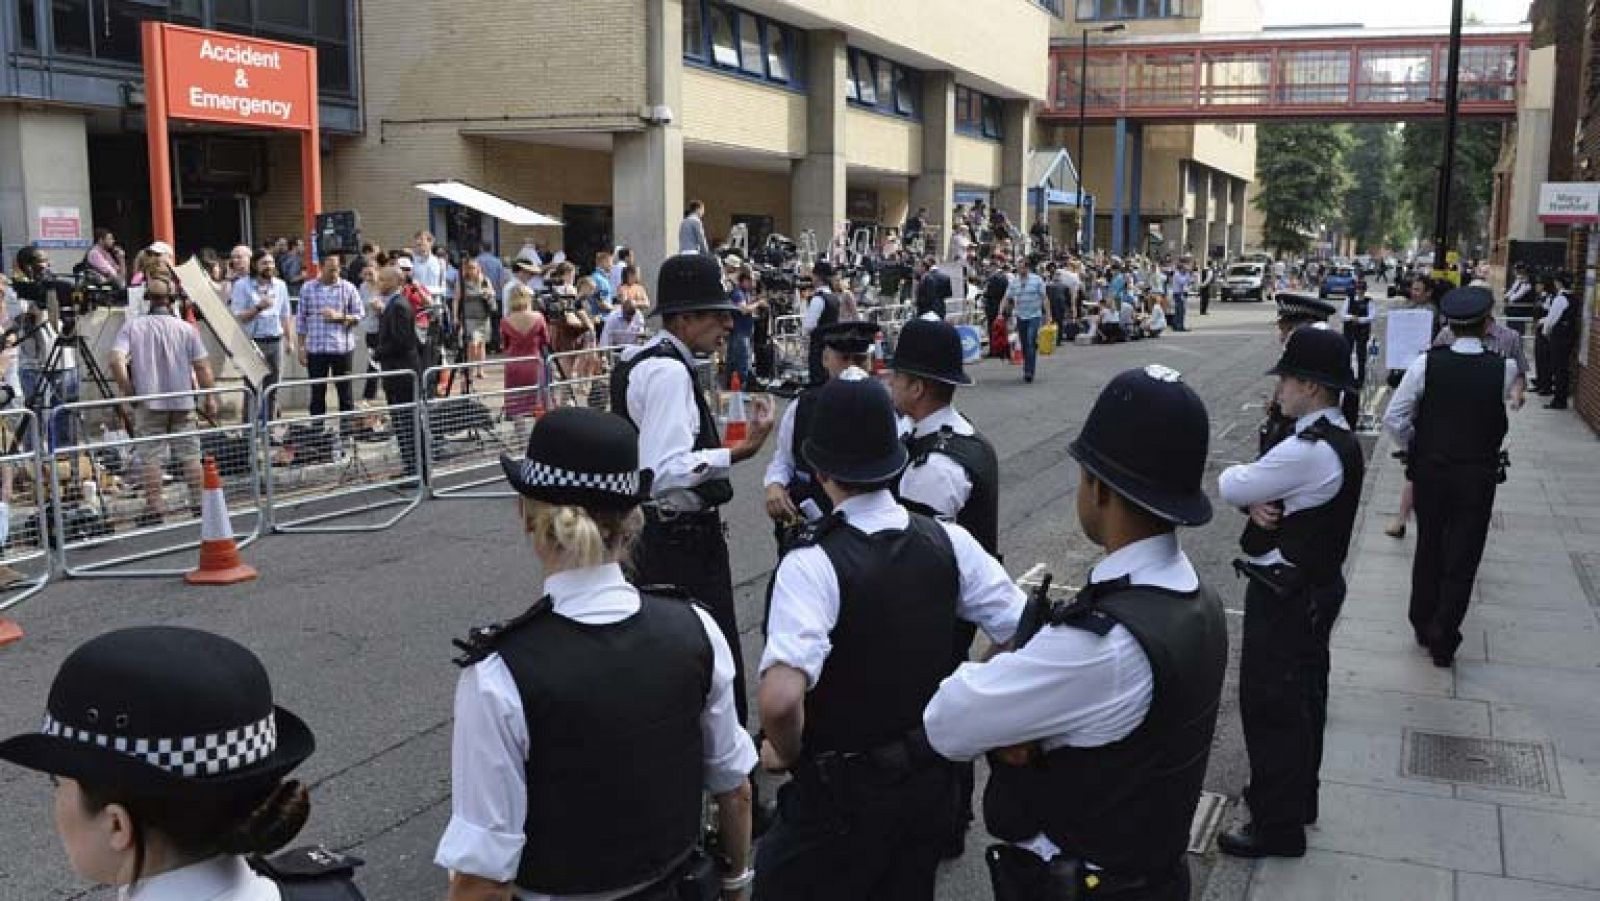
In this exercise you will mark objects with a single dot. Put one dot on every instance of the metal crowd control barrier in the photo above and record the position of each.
(581, 378)
(25, 554)
(147, 490)
(340, 465)
(789, 346)
(466, 433)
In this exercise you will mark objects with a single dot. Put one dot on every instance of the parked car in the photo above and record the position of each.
(1245, 281)
(1339, 282)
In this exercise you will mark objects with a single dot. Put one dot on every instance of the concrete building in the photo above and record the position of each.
(607, 114)
(1191, 183)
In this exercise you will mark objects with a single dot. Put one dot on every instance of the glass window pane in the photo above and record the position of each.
(777, 52)
(850, 85)
(750, 44)
(886, 82)
(333, 69)
(722, 46)
(905, 93)
(294, 14)
(991, 117)
(1174, 7)
(234, 12)
(27, 25)
(1087, 9)
(333, 19)
(864, 80)
(73, 32)
(117, 34)
(694, 35)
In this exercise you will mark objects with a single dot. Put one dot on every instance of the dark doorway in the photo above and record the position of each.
(211, 221)
(586, 229)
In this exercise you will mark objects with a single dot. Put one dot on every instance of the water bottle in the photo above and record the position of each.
(91, 493)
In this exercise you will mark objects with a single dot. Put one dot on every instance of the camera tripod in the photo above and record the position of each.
(67, 337)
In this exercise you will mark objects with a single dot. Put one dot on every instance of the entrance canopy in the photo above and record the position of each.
(486, 203)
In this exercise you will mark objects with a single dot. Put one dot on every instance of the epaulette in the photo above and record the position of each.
(814, 531)
(940, 445)
(307, 863)
(1082, 614)
(481, 642)
(1317, 431)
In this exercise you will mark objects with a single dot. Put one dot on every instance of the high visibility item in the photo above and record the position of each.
(1016, 349)
(219, 555)
(1047, 339)
(738, 424)
(10, 632)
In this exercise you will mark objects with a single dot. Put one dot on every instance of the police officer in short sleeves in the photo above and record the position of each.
(1099, 725)
(858, 641)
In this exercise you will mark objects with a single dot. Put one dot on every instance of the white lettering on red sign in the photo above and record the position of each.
(241, 55)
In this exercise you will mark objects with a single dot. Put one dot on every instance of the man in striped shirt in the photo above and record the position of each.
(1504, 342)
(330, 309)
(1026, 298)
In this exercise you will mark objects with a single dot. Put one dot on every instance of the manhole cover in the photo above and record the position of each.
(1492, 762)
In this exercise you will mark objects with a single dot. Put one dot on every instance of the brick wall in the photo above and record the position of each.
(720, 109)
(884, 143)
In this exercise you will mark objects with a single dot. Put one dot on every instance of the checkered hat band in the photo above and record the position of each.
(625, 484)
(196, 755)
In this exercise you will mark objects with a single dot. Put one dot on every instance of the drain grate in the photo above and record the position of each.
(1525, 766)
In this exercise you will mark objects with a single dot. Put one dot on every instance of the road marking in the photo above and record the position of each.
(1227, 431)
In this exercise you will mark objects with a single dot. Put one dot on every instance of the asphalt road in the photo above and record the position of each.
(355, 629)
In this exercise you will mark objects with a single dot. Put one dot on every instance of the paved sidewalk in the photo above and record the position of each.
(1528, 672)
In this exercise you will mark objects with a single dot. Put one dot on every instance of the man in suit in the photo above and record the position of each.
(692, 230)
(933, 288)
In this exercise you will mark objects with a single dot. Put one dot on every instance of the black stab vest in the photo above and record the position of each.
(713, 492)
(1317, 539)
(1461, 416)
(898, 591)
(981, 514)
(830, 315)
(615, 763)
(1126, 806)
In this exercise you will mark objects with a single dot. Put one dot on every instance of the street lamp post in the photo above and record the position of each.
(1086, 229)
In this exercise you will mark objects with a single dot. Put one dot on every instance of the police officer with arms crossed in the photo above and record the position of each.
(1450, 412)
(789, 480)
(1099, 724)
(1302, 496)
(858, 641)
(587, 727)
(1294, 312)
(954, 472)
(653, 387)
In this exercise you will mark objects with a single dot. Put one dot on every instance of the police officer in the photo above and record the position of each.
(653, 387)
(1099, 724)
(1294, 311)
(1302, 496)
(587, 727)
(954, 472)
(1450, 412)
(821, 310)
(858, 640)
(789, 480)
(1358, 331)
(169, 762)
(1558, 327)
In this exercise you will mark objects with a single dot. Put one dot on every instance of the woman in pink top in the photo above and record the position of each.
(523, 334)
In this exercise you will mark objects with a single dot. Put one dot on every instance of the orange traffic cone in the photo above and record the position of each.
(1016, 350)
(219, 556)
(738, 425)
(878, 354)
(10, 632)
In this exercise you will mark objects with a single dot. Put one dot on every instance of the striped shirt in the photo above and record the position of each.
(1500, 339)
(320, 335)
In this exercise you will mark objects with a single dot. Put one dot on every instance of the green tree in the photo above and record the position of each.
(1371, 210)
(1422, 152)
(1300, 166)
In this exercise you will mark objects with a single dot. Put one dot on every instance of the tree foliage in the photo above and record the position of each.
(1301, 167)
(1372, 213)
(1421, 153)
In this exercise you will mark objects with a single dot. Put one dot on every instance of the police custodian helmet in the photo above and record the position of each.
(1147, 438)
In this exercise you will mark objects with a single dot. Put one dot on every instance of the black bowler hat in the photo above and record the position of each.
(164, 710)
(930, 349)
(690, 282)
(1147, 438)
(851, 337)
(1294, 307)
(1465, 306)
(854, 434)
(583, 457)
(1317, 355)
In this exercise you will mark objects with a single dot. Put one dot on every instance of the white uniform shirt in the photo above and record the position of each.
(814, 310)
(489, 750)
(1066, 687)
(1400, 418)
(1553, 312)
(805, 594)
(223, 878)
(661, 402)
(940, 484)
(1302, 474)
(780, 469)
(1518, 290)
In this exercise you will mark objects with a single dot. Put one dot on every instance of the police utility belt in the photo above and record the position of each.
(893, 760)
(689, 508)
(1282, 579)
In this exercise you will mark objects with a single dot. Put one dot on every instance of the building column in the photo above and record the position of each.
(817, 181)
(647, 165)
(1202, 212)
(1136, 189)
(1012, 195)
(934, 188)
(44, 162)
(1119, 180)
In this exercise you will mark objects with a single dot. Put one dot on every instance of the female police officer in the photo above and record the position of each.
(168, 759)
(586, 728)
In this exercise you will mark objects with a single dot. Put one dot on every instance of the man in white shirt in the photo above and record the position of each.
(428, 270)
(692, 230)
(1099, 723)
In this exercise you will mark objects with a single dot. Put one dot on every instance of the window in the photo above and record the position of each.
(882, 85)
(27, 26)
(233, 12)
(743, 42)
(292, 14)
(978, 114)
(750, 50)
(73, 31)
(1090, 10)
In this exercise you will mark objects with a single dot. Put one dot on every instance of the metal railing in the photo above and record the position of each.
(467, 433)
(327, 467)
(25, 546)
(580, 378)
(129, 517)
